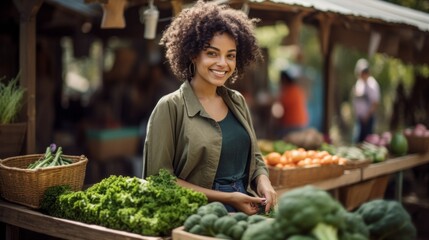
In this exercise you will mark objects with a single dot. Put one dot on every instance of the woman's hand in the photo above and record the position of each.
(265, 190)
(245, 203)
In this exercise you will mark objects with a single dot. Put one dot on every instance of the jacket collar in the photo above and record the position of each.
(193, 105)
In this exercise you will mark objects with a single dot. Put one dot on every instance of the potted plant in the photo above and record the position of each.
(12, 132)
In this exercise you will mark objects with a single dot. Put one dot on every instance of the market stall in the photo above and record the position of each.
(18, 216)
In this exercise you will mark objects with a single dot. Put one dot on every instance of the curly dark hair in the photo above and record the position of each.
(191, 31)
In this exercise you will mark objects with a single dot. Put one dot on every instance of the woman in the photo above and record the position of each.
(203, 133)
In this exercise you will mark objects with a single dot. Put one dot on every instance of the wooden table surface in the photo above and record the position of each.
(391, 165)
(23, 217)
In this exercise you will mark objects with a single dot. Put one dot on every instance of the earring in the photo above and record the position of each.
(191, 69)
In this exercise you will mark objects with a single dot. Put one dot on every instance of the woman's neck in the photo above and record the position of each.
(203, 90)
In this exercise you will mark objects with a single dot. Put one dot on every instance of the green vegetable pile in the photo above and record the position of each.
(151, 207)
(306, 213)
(387, 220)
(310, 213)
(213, 220)
(53, 157)
(11, 100)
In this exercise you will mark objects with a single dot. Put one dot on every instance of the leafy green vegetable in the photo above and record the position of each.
(302, 209)
(324, 231)
(50, 159)
(281, 146)
(387, 220)
(151, 207)
(309, 213)
(354, 227)
(262, 230)
(11, 100)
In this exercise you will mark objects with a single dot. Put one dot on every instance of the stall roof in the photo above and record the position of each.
(370, 9)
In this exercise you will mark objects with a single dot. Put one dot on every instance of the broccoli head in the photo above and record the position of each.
(354, 227)
(308, 210)
(387, 220)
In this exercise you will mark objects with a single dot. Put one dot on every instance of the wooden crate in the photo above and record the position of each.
(300, 176)
(354, 195)
(379, 187)
(110, 143)
(180, 234)
(350, 165)
(417, 144)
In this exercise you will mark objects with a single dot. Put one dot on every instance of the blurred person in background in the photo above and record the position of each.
(293, 99)
(365, 98)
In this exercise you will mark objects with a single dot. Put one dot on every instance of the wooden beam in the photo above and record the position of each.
(325, 23)
(177, 6)
(27, 62)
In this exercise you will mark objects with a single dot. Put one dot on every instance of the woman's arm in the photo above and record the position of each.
(238, 200)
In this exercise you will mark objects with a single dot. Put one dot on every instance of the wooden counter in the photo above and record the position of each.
(391, 165)
(349, 177)
(394, 165)
(23, 217)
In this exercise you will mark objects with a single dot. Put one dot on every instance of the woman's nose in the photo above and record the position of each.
(222, 61)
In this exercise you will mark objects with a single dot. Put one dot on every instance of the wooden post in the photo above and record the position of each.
(177, 6)
(27, 62)
(326, 44)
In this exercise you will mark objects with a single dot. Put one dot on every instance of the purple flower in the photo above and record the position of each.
(53, 147)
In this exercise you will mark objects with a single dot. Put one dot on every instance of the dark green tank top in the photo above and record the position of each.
(235, 150)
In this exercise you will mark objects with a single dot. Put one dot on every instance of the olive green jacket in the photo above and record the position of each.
(182, 138)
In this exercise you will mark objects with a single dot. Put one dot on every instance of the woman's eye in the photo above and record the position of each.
(231, 56)
(212, 54)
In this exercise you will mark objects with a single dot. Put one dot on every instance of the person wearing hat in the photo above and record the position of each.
(366, 98)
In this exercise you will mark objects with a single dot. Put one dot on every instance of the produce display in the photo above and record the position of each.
(213, 220)
(387, 220)
(307, 213)
(362, 152)
(151, 207)
(309, 138)
(300, 158)
(53, 157)
(420, 130)
(417, 138)
(399, 144)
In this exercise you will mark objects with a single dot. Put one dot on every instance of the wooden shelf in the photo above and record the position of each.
(32, 220)
(349, 177)
(394, 165)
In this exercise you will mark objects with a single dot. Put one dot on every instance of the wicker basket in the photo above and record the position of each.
(417, 144)
(354, 195)
(26, 187)
(350, 165)
(300, 176)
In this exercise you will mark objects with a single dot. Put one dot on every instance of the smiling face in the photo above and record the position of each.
(215, 64)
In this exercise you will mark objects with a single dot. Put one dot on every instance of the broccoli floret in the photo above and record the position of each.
(354, 227)
(301, 210)
(216, 208)
(262, 230)
(387, 220)
(324, 231)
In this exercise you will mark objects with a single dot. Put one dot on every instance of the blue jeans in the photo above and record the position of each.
(237, 186)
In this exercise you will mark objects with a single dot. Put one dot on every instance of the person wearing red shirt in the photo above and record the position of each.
(294, 102)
